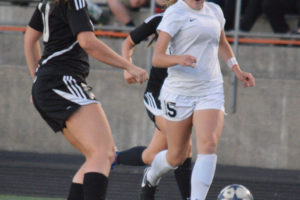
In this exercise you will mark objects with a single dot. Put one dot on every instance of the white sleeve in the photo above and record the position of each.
(218, 13)
(221, 17)
(170, 23)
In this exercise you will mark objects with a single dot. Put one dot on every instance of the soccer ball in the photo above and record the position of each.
(235, 192)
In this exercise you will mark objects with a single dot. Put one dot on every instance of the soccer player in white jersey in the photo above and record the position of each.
(60, 93)
(192, 94)
(141, 155)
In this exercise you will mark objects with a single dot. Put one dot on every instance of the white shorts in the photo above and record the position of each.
(179, 107)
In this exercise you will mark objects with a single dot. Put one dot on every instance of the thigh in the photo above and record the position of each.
(161, 122)
(89, 131)
(177, 111)
(208, 125)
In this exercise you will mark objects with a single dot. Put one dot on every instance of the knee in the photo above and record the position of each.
(148, 156)
(209, 145)
(111, 154)
(176, 158)
(97, 153)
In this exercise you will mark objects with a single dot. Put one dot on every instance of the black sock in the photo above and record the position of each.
(130, 23)
(183, 178)
(132, 157)
(76, 192)
(94, 186)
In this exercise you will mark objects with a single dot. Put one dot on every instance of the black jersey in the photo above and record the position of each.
(142, 32)
(60, 24)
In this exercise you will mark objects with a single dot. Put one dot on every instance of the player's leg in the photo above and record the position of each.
(178, 134)
(76, 187)
(158, 142)
(184, 171)
(183, 175)
(88, 130)
(177, 112)
(208, 126)
(131, 157)
(141, 155)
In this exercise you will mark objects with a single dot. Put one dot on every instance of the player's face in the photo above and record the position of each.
(195, 4)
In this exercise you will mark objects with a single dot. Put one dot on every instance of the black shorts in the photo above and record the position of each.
(57, 97)
(152, 104)
(151, 95)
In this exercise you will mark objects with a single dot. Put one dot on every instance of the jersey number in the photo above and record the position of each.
(170, 111)
(45, 15)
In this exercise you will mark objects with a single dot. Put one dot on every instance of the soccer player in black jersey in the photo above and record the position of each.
(140, 155)
(60, 92)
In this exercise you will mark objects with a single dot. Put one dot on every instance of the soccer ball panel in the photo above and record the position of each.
(235, 192)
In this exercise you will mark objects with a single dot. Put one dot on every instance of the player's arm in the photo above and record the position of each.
(128, 48)
(82, 29)
(100, 51)
(127, 52)
(163, 60)
(140, 33)
(227, 54)
(32, 49)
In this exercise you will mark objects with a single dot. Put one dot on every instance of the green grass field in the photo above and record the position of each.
(12, 197)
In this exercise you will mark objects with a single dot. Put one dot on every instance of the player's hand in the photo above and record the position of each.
(247, 78)
(188, 60)
(129, 78)
(139, 74)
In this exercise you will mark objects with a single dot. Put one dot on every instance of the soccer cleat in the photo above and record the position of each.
(147, 191)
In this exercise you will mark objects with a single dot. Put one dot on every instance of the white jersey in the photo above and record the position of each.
(197, 33)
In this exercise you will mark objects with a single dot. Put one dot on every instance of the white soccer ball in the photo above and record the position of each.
(235, 192)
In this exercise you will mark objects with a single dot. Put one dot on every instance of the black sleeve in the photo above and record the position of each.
(78, 17)
(36, 21)
(144, 30)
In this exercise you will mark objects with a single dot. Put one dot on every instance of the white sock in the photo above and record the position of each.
(202, 175)
(159, 167)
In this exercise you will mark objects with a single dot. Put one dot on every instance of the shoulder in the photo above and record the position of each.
(215, 8)
(156, 17)
(175, 11)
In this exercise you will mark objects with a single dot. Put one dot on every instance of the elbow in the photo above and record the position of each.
(128, 45)
(155, 60)
(84, 44)
(85, 41)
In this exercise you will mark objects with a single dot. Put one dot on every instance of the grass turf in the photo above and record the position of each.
(13, 197)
